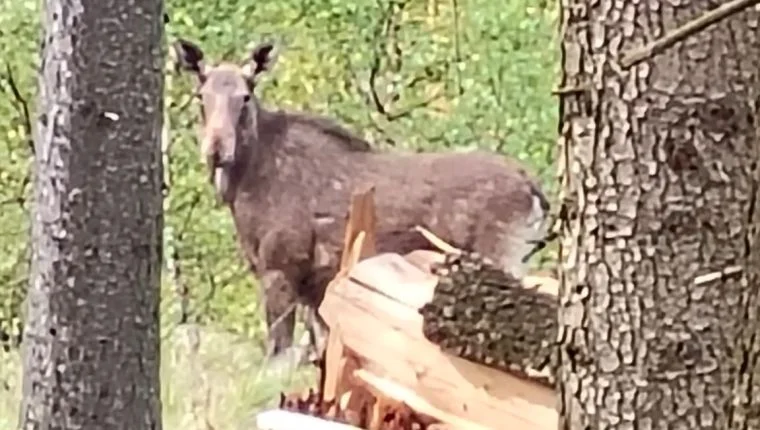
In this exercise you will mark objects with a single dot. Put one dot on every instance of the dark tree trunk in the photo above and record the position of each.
(659, 292)
(92, 324)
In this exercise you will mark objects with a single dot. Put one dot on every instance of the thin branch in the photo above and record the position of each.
(409, 109)
(21, 106)
(727, 272)
(431, 73)
(193, 204)
(457, 47)
(374, 69)
(388, 25)
(373, 72)
(166, 141)
(539, 245)
(211, 283)
(174, 265)
(576, 89)
(497, 87)
(371, 98)
(393, 44)
(692, 27)
(18, 200)
(354, 81)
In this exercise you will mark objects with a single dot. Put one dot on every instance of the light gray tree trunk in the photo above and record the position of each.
(659, 299)
(91, 340)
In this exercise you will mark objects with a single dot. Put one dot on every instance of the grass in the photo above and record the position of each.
(210, 380)
(10, 388)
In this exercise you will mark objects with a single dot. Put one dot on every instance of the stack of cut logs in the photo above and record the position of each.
(429, 340)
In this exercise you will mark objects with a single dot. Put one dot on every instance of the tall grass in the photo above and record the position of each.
(211, 380)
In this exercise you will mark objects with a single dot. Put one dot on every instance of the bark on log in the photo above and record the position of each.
(485, 315)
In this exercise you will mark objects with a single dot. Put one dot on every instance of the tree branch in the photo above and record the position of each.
(174, 264)
(373, 72)
(692, 27)
(374, 69)
(409, 109)
(457, 47)
(392, 28)
(22, 107)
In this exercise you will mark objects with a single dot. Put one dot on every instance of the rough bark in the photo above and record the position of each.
(485, 315)
(92, 323)
(658, 303)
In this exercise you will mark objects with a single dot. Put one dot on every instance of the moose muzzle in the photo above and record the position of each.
(219, 151)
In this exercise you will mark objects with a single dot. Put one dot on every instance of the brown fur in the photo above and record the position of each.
(288, 177)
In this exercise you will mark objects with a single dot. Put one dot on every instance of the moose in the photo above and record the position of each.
(287, 178)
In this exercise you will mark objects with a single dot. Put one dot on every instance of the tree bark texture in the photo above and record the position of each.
(485, 315)
(92, 323)
(658, 163)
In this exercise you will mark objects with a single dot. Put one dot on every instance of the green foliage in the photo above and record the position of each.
(19, 23)
(448, 75)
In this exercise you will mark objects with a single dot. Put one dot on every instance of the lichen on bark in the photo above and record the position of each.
(486, 315)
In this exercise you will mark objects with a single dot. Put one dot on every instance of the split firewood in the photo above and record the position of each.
(438, 361)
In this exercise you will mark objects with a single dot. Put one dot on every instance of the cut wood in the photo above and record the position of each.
(376, 308)
(278, 419)
(382, 372)
(361, 218)
(359, 242)
(392, 391)
(439, 243)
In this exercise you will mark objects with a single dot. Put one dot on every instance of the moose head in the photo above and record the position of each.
(229, 110)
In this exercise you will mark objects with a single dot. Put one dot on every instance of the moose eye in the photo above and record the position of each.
(246, 98)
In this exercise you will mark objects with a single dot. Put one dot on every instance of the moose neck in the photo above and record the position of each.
(293, 154)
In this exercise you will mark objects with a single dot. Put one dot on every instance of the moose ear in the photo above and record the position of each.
(189, 57)
(262, 58)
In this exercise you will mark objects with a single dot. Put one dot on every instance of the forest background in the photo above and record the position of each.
(412, 74)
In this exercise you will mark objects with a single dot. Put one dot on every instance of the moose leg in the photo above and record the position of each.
(280, 305)
(318, 331)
